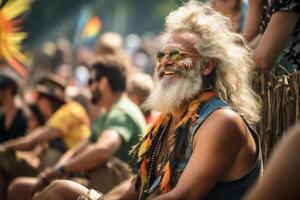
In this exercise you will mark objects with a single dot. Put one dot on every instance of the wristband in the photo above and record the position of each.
(44, 179)
(61, 169)
(91, 195)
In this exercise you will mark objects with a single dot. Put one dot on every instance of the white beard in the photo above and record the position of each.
(168, 95)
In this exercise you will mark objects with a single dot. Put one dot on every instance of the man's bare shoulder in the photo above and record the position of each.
(223, 124)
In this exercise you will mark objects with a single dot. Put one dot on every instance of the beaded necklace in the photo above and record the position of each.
(154, 156)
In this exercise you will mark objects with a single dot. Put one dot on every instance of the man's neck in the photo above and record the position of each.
(9, 107)
(111, 99)
(177, 113)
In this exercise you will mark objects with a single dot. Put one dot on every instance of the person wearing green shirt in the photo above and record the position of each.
(102, 158)
(125, 118)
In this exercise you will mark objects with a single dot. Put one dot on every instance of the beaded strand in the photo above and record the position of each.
(154, 155)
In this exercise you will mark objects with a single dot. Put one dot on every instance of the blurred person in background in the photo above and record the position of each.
(139, 87)
(34, 117)
(102, 159)
(35, 120)
(140, 51)
(236, 10)
(273, 31)
(85, 56)
(50, 94)
(13, 122)
(67, 124)
(65, 67)
(111, 43)
(281, 178)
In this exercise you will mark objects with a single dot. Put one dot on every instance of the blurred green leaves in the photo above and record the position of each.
(49, 20)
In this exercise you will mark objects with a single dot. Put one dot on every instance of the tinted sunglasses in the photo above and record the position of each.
(174, 54)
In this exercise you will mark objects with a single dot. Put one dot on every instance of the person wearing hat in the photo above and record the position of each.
(12, 119)
(102, 159)
(34, 117)
(67, 124)
(50, 94)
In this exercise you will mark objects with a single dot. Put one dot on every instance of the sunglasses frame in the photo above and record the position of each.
(168, 53)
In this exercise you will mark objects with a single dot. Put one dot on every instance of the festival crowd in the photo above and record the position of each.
(178, 116)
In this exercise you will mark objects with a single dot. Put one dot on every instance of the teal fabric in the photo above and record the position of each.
(244, 12)
(232, 190)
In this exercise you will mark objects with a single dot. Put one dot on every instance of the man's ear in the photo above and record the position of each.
(209, 66)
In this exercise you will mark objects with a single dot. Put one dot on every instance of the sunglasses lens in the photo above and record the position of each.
(160, 55)
(174, 54)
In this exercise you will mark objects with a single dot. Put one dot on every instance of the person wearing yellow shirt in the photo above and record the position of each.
(103, 159)
(67, 125)
(72, 122)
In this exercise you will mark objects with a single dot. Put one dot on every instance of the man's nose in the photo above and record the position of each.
(167, 61)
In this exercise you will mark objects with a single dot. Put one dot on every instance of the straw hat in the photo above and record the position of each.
(52, 86)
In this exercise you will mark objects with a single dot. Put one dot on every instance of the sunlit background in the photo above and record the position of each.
(61, 35)
(48, 20)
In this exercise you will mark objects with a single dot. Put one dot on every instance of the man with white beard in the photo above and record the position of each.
(202, 145)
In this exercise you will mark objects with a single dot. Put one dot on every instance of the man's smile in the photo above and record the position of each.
(168, 73)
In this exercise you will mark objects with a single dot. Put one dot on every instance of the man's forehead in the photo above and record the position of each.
(182, 39)
(170, 44)
(184, 35)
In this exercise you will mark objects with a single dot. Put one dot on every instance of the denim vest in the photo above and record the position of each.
(227, 190)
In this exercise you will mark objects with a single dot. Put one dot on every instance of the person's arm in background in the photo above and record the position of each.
(253, 20)
(91, 156)
(73, 152)
(275, 37)
(54, 128)
(281, 179)
(95, 154)
(34, 138)
(253, 44)
(119, 127)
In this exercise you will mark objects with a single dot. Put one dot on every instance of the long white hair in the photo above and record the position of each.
(234, 62)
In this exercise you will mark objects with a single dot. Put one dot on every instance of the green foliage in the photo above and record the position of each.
(49, 20)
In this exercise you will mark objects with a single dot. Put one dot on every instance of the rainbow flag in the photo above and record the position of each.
(91, 29)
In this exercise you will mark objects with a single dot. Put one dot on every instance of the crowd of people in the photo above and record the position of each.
(187, 131)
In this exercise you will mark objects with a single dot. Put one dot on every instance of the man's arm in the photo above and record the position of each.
(253, 44)
(73, 152)
(281, 179)
(275, 38)
(216, 145)
(124, 191)
(34, 138)
(253, 19)
(95, 154)
(92, 155)
(64, 189)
